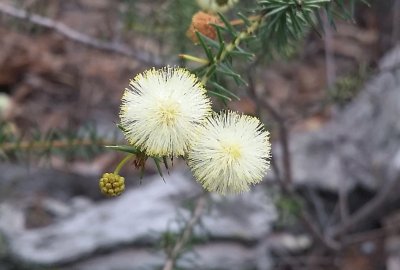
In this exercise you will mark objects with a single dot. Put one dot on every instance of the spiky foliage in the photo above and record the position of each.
(273, 24)
(82, 143)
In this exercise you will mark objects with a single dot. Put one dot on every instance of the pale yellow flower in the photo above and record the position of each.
(216, 5)
(161, 110)
(230, 153)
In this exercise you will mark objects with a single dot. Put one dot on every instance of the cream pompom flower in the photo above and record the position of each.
(161, 110)
(230, 153)
(216, 5)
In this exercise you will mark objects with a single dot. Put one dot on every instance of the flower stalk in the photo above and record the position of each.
(122, 163)
(218, 59)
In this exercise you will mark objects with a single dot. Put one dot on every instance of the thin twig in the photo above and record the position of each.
(253, 95)
(283, 133)
(343, 202)
(74, 35)
(360, 237)
(283, 139)
(315, 232)
(329, 58)
(367, 210)
(286, 180)
(396, 26)
(318, 205)
(187, 232)
(37, 145)
(250, 30)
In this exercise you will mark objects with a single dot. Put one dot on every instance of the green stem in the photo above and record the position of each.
(232, 45)
(122, 163)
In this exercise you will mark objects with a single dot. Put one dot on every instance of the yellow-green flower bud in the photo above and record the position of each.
(112, 184)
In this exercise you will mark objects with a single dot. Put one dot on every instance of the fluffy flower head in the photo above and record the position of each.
(230, 153)
(161, 110)
(216, 5)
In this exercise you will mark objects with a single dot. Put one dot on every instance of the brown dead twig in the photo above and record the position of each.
(40, 145)
(283, 132)
(285, 179)
(329, 57)
(76, 36)
(327, 237)
(366, 211)
(186, 234)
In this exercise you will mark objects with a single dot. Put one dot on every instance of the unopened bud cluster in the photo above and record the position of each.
(203, 23)
(112, 184)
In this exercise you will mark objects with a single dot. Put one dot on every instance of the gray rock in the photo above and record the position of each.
(138, 218)
(285, 243)
(128, 258)
(230, 256)
(359, 144)
(19, 182)
(221, 256)
(246, 217)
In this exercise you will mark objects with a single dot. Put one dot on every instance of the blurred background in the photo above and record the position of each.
(332, 104)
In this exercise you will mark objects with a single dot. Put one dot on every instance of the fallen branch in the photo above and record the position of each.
(367, 211)
(74, 35)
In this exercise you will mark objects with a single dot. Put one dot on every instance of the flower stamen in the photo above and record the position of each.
(233, 151)
(161, 110)
(169, 112)
(230, 153)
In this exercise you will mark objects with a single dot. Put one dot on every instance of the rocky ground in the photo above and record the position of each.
(344, 155)
(77, 232)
